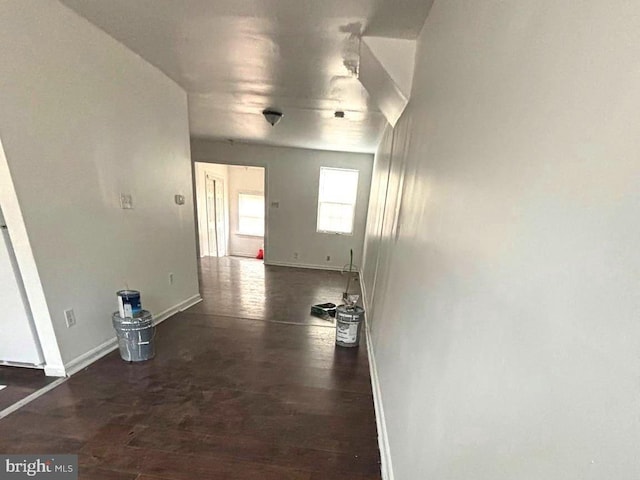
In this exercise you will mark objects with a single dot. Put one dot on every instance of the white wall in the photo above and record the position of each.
(505, 327)
(292, 181)
(84, 119)
(243, 180)
(221, 172)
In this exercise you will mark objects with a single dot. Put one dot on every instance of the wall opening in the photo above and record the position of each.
(231, 210)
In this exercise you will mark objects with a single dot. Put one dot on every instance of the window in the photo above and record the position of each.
(251, 214)
(337, 200)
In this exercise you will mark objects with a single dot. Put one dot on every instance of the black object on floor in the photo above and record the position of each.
(324, 310)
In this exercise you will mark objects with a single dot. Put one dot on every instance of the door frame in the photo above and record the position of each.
(217, 215)
(53, 364)
(201, 164)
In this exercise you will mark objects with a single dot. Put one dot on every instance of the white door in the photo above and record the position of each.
(212, 237)
(220, 223)
(18, 340)
(214, 191)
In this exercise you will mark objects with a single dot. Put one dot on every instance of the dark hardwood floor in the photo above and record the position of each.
(227, 396)
(20, 383)
(270, 293)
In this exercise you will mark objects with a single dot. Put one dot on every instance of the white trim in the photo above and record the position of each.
(189, 302)
(386, 466)
(55, 371)
(305, 265)
(365, 297)
(27, 266)
(87, 358)
(253, 193)
(244, 254)
(320, 202)
(32, 397)
(248, 235)
(209, 175)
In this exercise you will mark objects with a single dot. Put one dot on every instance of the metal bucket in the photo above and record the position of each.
(129, 303)
(135, 336)
(348, 325)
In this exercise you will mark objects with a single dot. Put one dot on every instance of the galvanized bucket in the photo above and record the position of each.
(348, 325)
(135, 336)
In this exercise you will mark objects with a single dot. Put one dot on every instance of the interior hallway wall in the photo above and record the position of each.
(292, 184)
(505, 321)
(84, 120)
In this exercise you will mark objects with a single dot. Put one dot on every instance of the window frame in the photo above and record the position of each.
(354, 204)
(264, 200)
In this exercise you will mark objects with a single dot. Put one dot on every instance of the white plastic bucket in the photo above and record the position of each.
(348, 325)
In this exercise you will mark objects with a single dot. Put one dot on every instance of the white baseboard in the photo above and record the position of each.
(55, 371)
(189, 302)
(306, 265)
(365, 297)
(86, 359)
(243, 254)
(386, 467)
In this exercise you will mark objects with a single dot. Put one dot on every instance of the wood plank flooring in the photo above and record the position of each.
(20, 382)
(225, 398)
(271, 293)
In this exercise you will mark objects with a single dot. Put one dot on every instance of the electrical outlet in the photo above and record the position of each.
(328, 258)
(295, 255)
(70, 318)
(171, 279)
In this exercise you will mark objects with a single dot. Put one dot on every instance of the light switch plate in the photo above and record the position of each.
(179, 199)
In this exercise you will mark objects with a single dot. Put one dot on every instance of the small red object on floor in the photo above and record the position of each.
(260, 255)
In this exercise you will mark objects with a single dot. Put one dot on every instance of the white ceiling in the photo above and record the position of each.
(238, 57)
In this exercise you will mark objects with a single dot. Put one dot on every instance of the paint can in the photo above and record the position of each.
(348, 325)
(135, 336)
(129, 303)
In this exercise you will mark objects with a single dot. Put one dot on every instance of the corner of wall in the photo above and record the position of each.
(29, 271)
(386, 465)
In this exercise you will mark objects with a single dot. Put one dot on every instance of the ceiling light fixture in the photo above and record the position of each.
(272, 116)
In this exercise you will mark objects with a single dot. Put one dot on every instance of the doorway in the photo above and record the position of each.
(231, 212)
(232, 228)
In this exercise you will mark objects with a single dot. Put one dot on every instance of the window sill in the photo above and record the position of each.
(251, 235)
(335, 233)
